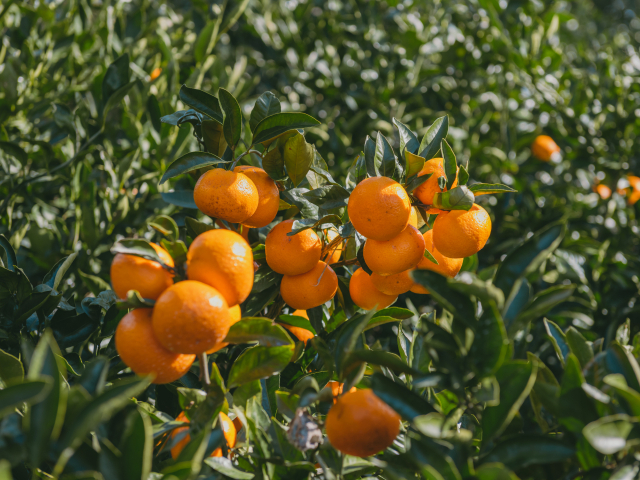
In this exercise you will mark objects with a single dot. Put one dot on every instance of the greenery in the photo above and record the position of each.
(524, 366)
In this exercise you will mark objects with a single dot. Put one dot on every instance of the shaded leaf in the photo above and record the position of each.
(190, 162)
(267, 104)
(202, 102)
(259, 362)
(433, 138)
(232, 125)
(273, 125)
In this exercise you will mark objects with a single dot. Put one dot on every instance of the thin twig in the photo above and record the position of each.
(204, 369)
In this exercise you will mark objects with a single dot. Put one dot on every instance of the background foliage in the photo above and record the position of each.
(82, 151)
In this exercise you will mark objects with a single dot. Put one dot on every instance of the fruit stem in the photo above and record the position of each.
(204, 369)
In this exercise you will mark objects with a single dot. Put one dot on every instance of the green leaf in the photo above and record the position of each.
(630, 396)
(523, 451)
(608, 435)
(540, 305)
(202, 102)
(483, 290)
(94, 283)
(490, 344)
(116, 98)
(463, 176)
(385, 158)
(190, 162)
(516, 379)
(413, 165)
(12, 260)
(213, 137)
(267, 104)
(11, 368)
(225, 467)
(259, 362)
(180, 198)
(29, 392)
(458, 198)
(116, 76)
(298, 156)
(487, 188)
(45, 418)
(495, 471)
(137, 446)
(153, 110)
(528, 257)
(415, 181)
(408, 140)
(450, 163)
(273, 125)
(56, 274)
(557, 339)
(620, 360)
(318, 174)
(15, 150)
(579, 346)
(328, 196)
(273, 164)
(372, 162)
(454, 301)
(296, 321)
(388, 315)
(348, 335)
(431, 141)
(195, 228)
(260, 330)
(406, 403)
(377, 357)
(232, 126)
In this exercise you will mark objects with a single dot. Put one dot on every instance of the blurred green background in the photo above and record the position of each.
(78, 173)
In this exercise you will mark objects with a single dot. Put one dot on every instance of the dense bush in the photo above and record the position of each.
(525, 363)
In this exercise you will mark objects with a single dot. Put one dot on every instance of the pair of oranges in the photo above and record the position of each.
(189, 317)
(380, 210)
(308, 281)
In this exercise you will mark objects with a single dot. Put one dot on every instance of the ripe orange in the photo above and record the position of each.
(292, 255)
(229, 431)
(459, 233)
(333, 255)
(268, 196)
(309, 289)
(603, 191)
(379, 208)
(544, 147)
(396, 284)
(360, 424)
(235, 315)
(129, 272)
(401, 253)
(336, 389)
(224, 260)
(300, 333)
(140, 350)
(228, 195)
(365, 294)
(301, 313)
(446, 266)
(413, 217)
(428, 189)
(155, 73)
(635, 189)
(191, 317)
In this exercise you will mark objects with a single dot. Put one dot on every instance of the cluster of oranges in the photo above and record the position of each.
(380, 210)
(189, 317)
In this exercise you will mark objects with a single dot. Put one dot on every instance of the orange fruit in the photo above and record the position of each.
(268, 196)
(603, 191)
(300, 333)
(237, 423)
(140, 350)
(448, 267)
(235, 315)
(231, 196)
(191, 317)
(395, 284)
(224, 260)
(365, 294)
(300, 313)
(129, 272)
(544, 147)
(459, 233)
(379, 208)
(634, 182)
(401, 253)
(413, 217)
(635, 192)
(229, 430)
(333, 255)
(428, 189)
(309, 289)
(295, 254)
(155, 73)
(360, 424)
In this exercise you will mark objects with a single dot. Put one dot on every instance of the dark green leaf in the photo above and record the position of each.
(372, 162)
(413, 164)
(558, 340)
(525, 451)
(273, 164)
(295, 196)
(385, 158)
(630, 396)
(415, 181)
(463, 176)
(407, 403)
(225, 467)
(259, 362)
(328, 196)
(486, 188)
(360, 168)
(116, 76)
(273, 125)
(260, 330)
(540, 305)
(450, 163)
(298, 156)
(579, 346)
(190, 162)
(516, 379)
(433, 138)
(377, 357)
(490, 344)
(14, 150)
(267, 104)
(12, 260)
(408, 140)
(117, 97)
(296, 321)
(29, 392)
(136, 246)
(137, 446)
(10, 368)
(232, 126)
(202, 102)
(153, 109)
(608, 435)
(458, 198)
(195, 228)
(180, 198)
(56, 274)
